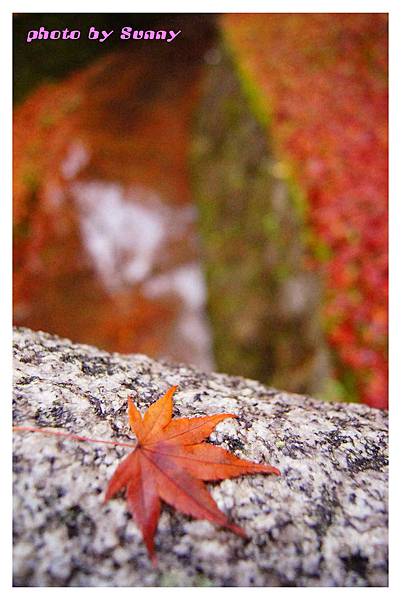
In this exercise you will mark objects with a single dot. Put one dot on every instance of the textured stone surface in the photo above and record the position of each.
(323, 523)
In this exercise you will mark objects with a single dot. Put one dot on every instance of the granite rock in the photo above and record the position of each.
(322, 523)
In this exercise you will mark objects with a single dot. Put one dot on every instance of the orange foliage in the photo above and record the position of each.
(135, 133)
(170, 463)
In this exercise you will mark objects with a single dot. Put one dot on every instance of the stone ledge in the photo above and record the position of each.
(323, 523)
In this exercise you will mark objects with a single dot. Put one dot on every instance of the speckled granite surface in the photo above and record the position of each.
(323, 523)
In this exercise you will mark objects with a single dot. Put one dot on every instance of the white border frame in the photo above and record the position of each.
(7, 7)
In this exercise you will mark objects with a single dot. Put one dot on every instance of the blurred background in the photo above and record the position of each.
(220, 200)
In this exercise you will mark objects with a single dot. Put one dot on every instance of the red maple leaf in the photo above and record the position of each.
(170, 463)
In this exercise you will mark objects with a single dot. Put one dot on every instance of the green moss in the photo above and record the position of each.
(298, 196)
(271, 226)
(231, 109)
(256, 99)
(321, 251)
(281, 272)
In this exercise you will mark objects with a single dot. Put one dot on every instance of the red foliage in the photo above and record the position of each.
(323, 78)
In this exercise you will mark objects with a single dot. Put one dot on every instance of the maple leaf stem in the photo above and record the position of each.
(71, 436)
